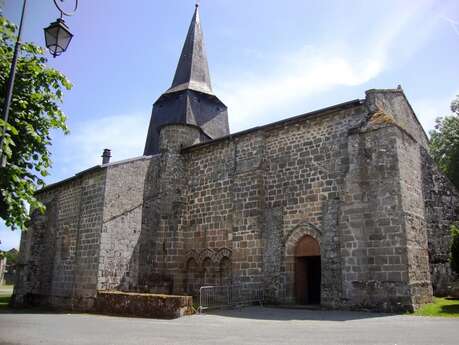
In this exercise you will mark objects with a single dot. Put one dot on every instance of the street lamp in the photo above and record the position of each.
(57, 34)
(57, 37)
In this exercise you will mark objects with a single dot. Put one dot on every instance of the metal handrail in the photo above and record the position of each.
(213, 296)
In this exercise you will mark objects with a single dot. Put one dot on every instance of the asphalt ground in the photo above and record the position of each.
(251, 325)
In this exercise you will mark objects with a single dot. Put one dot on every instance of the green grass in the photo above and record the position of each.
(5, 295)
(444, 307)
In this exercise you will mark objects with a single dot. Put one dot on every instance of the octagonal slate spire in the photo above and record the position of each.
(192, 71)
(190, 99)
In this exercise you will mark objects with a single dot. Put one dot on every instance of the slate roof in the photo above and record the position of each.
(192, 71)
(190, 99)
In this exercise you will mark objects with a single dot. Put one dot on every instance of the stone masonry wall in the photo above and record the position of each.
(209, 216)
(373, 244)
(354, 177)
(440, 197)
(88, 239)
(305, 166)
(410, 167)
(384, 243)
(250, 195)
(247, 211)
(162, 245)
(395, 104)
(441, 209)
(343, 178)
(122, 224)
(58, 261)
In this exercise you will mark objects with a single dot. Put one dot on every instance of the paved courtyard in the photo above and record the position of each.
(254, 325)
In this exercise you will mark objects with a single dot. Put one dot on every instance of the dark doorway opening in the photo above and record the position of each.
(307, 279)
(307, 271)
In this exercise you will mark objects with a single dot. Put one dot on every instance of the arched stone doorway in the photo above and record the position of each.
(307, 271)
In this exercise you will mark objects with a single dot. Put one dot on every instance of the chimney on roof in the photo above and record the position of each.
(106, 155)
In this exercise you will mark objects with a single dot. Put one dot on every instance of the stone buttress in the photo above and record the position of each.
(203, 207)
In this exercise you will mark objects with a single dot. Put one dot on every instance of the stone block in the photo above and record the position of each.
(143, 305)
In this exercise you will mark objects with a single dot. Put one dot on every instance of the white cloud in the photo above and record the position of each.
(300, 74)
(454, 24)
(400, 32)
(124, 134)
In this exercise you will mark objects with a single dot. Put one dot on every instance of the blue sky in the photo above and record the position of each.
(268, 60)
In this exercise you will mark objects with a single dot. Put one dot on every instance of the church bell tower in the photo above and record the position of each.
(190, 99)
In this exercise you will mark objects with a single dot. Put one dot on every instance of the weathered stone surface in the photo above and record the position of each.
(441, 210)
(209, 209)
(121, 228)
(453, 289)
(143, 304)
(355, 177)
(60, 251)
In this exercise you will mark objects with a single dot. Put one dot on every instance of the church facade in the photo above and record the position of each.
(341, 207)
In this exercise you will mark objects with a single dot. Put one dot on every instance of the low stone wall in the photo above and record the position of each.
(143, 304)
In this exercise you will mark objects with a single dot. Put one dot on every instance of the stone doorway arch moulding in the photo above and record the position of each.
(290, 241)
(297, 232)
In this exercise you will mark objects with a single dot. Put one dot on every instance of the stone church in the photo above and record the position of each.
(341, 207)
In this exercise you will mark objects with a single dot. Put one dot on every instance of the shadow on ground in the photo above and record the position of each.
(5, 298)
(451, 309)
(286, 314)
(35, 310)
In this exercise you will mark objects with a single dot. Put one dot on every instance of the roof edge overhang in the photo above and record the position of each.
(176, 92)
(191, 85)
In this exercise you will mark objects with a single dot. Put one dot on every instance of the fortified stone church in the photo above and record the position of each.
(342, 206)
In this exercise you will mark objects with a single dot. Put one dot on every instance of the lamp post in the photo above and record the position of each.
(57, 34)
(9, 88)
(57, 37)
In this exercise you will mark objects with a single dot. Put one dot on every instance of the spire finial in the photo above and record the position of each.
(197, 4)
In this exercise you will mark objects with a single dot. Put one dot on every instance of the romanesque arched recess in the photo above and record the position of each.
(289, 243)
(206, 253)
(222, 259)
(221, 254)
(225, 274)
(209, 272)
(193, 276)
(192, 254)
(214, 267)
(215, 256)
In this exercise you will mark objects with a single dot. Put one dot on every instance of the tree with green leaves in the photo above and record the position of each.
(34, 112)
(444, 143)
(10, 255)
